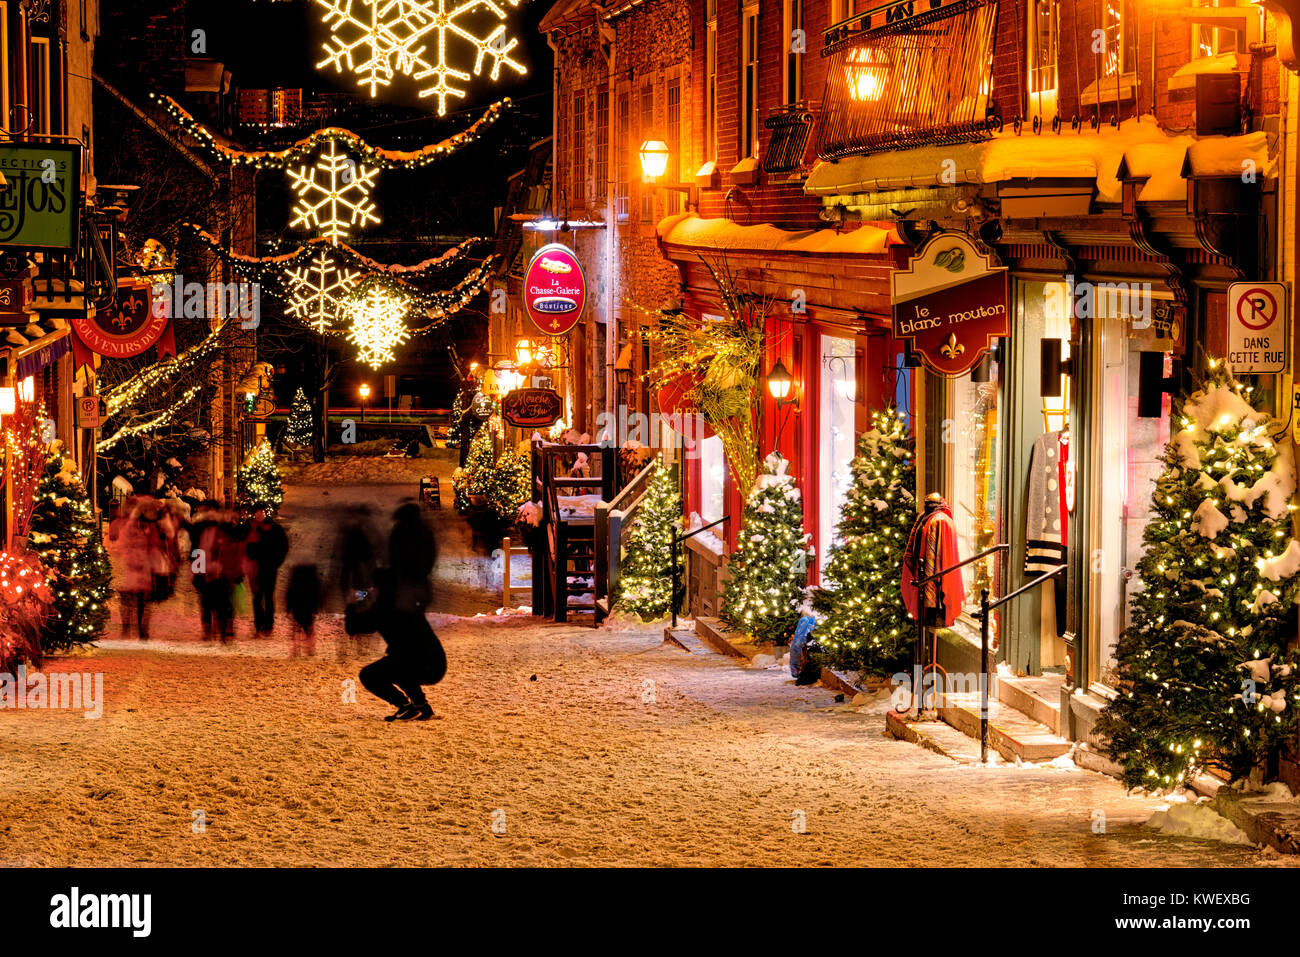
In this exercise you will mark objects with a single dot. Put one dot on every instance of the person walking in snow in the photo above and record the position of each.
(265, 549)
(144, 561)
(415, 656)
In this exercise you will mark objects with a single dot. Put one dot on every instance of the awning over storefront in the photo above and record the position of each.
(46, 353)
(688, 229)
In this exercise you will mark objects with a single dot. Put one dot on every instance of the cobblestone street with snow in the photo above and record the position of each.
(591, 747)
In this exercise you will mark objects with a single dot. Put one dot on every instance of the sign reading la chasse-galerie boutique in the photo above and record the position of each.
(950, 303)
(555, 289)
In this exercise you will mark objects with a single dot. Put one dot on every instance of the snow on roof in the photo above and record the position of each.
(688, 229)
(1071, 155)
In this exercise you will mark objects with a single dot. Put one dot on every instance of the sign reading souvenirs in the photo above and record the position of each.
(950, 303)
(39, 204)
(555, 289)
(1257, 326)
(133, 323)
(532, 408)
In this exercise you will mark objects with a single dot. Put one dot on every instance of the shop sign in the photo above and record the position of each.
(16, 300)
(1257, 327)
(555, 289)
(950, 303)
(481, 407)
(532, 408)
(131, 325)
(40, 202)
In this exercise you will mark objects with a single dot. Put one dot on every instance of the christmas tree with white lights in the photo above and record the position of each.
(645, 578)
(298, 433)
(509, 483)
(863, 621)
(768, 589)
(476, 477)
(1205, 676)
(258, 480)
(66, 537)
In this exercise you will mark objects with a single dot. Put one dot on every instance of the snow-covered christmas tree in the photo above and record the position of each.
(509, 483)
(1206, 678)
(66, 537)
(645, 579)
(258, 480)
(863, 622)
(476, 477)
(768, 589)
(298, 432)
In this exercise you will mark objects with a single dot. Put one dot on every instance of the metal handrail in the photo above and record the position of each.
(675, 547)
(962, 564)
(983, 616)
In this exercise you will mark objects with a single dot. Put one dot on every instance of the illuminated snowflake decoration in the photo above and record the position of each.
(319, 292)
(377, 39)
(378, 324)
(334, 195)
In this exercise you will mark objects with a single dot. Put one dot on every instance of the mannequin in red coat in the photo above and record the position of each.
(932, 545)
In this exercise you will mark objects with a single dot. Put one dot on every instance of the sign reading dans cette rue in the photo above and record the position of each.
(555, 289)
(950, 303)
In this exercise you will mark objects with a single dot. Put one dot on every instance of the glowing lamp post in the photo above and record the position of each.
(780, 385)
(365, 394)
(654, 159)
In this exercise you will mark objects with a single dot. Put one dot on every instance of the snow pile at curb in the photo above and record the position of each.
(1197, 820)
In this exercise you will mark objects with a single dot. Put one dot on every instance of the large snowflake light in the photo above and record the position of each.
(334, 195)
(378, 324)
(318, 292)
(377, 39)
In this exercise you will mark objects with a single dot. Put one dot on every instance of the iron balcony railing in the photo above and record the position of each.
(790, 126)
(917, 80)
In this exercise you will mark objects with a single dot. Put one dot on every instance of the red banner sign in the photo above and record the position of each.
(532, 408)
(133, 323)
(555, 289)
(950, 303)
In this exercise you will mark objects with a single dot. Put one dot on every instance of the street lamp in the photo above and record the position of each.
(524, 353)
(365, 394)
(780, 385)
(654, 163)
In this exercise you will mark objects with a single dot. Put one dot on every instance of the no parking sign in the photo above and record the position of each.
(1257, 326)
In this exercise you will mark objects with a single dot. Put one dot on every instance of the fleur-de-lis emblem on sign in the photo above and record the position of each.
(952, 348)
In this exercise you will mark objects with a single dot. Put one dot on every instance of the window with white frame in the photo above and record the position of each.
(1119, 36)
(1044, 43)
(713, 479)
(578, 144)
(796, 43)
(749, 83)
(1209, 40)
(711, 81)
(602, 146)
(39, 88)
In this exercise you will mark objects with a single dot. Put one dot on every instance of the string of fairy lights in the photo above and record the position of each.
(328, 286)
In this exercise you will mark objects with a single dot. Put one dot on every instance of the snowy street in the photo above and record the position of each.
(585, 747)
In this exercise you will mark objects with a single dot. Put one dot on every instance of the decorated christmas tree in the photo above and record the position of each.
(258, 480)
(645, 580)
(66, 538)
(476, 477)
(863, 620)
(769, 568)
(298, 433)
(509, 483)
(457, 413)
(1206, 680)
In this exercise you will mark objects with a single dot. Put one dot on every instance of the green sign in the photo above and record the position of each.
(40, 202)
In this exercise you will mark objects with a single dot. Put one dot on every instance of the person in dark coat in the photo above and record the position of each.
(265, 547)
(302, 600)
(207, 516)
(355, 554)
(415, 657)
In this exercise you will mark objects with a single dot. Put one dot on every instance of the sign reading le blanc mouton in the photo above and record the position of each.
(950, 303)
(555, 289)
(40, 201)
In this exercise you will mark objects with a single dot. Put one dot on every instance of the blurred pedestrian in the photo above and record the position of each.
(355, 553)
(206, 518)
(143, 559)
(265, 548)
(302, 600)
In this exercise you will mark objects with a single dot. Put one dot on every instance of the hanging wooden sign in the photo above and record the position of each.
(532, 408)
(555, 289)
(950, 303)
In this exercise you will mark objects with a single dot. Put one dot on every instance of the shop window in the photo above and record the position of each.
(713, 479)
(971, 434)
(1127, 451)
(837, 411)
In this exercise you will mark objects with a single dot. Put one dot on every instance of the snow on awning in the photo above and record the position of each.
(1067, 155)
(689, 229)
(1229, 156)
